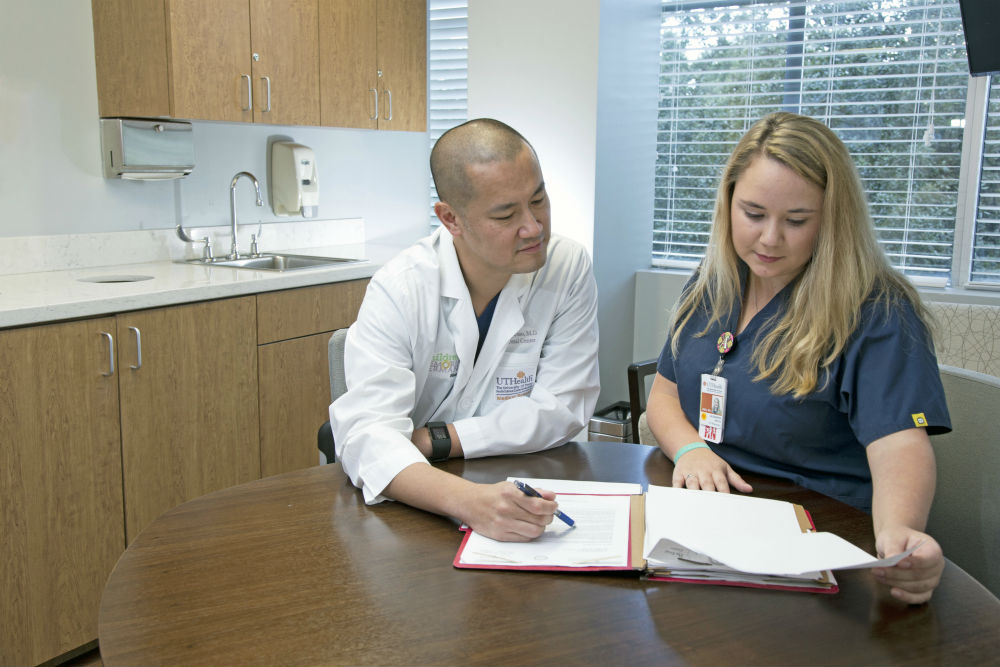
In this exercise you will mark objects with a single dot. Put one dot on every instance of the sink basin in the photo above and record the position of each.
(276, 262)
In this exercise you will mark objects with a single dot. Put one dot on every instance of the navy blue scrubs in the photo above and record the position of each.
(883, 381)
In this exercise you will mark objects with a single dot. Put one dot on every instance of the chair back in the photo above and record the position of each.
(335, 351)
(637, 393)
(965, 516)
(338, 385)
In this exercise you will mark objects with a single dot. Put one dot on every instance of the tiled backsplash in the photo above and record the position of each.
(28, 254)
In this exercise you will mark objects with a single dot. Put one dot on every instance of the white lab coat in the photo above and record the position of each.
(410, 359)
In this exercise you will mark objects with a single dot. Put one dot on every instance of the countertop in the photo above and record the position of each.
(50, 296)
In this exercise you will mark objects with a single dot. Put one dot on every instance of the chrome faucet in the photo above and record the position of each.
(234, 252)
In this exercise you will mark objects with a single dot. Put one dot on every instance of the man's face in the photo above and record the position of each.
(504, 229)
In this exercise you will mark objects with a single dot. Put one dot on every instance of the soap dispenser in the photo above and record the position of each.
(294, 180)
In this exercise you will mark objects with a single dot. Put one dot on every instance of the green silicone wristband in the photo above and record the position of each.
(687, 448)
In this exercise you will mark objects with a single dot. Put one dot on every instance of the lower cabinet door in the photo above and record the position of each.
(189, 415)
(61, 528)
(294, 402)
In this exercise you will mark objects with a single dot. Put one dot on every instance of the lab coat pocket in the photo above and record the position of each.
(515, 376)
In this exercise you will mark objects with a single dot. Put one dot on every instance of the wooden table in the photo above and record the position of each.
(295, 569)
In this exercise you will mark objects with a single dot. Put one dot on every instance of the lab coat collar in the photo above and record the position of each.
(507, 319)
(452, 280)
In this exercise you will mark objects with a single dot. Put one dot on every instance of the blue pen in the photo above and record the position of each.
(528, 491)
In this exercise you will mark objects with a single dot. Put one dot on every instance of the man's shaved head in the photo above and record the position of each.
(478, 141)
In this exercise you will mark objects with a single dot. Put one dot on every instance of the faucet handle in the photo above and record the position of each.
(206, 252)
(253, 246)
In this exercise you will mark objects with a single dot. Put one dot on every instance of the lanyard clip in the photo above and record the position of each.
(718, 366)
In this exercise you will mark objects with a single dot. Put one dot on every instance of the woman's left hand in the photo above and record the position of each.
(914, 578)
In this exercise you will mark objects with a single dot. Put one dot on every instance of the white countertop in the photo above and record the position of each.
(49, 296)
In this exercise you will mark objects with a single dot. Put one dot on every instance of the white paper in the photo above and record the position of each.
(745, 533)
(600, 537)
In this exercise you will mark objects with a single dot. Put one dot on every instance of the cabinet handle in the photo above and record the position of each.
(375, 93)
(111, 354)
(138, 349)
(267, 81)
(249, 106)
(389, 94)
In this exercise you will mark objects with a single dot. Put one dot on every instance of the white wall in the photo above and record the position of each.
(50, 163)
(578, 78)
(533, 65)
(626, 159)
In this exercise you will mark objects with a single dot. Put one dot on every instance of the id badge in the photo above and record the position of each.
(712, 415)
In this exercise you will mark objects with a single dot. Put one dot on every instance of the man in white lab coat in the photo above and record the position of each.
(479, 340)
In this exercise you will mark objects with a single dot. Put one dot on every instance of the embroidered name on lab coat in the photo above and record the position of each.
(526, 335)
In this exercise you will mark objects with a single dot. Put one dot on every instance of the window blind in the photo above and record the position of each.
(888, 76)
(447, 72)
(986, 239)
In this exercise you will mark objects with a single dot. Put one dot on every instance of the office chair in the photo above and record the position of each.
(338, 385)
(964, 517)
(637, 374)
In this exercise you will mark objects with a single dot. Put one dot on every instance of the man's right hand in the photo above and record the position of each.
(499, 511)
(504, 513)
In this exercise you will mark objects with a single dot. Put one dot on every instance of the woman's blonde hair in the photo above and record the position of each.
(847, 267)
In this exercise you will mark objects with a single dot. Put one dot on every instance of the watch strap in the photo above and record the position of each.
(440, 441)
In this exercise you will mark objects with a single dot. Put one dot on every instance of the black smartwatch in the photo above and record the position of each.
(440, 441)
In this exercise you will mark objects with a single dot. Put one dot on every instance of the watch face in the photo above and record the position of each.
(439, 432)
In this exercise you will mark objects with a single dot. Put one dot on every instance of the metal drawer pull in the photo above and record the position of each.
(267, 80)
(375, 93)
(111, 354)
(138, 349)
(389, 93)
(249, 106)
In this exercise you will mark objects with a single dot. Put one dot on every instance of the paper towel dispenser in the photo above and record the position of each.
(146, 150)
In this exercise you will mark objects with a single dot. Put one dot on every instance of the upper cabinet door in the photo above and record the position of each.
(209, 47)
(285, 39)
(402, 64)
(347, 48)
(130, 52)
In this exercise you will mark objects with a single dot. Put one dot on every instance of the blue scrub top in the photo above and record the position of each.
(885, 377)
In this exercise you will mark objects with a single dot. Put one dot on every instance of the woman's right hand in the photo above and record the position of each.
(704, 469)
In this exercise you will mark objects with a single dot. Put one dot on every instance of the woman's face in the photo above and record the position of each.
(776, 215)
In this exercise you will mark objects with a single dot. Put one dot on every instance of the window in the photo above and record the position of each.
(986, 237)
(447, 72)
(890, 77)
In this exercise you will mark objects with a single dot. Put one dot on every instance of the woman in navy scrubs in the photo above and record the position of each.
(797, 351)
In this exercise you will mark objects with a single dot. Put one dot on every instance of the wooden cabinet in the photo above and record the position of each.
(225, 60)
(60, 485)
(82, 418)
(402, 64)
(293, 330)
(189, 416)
(108, 422)
(373, 64)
